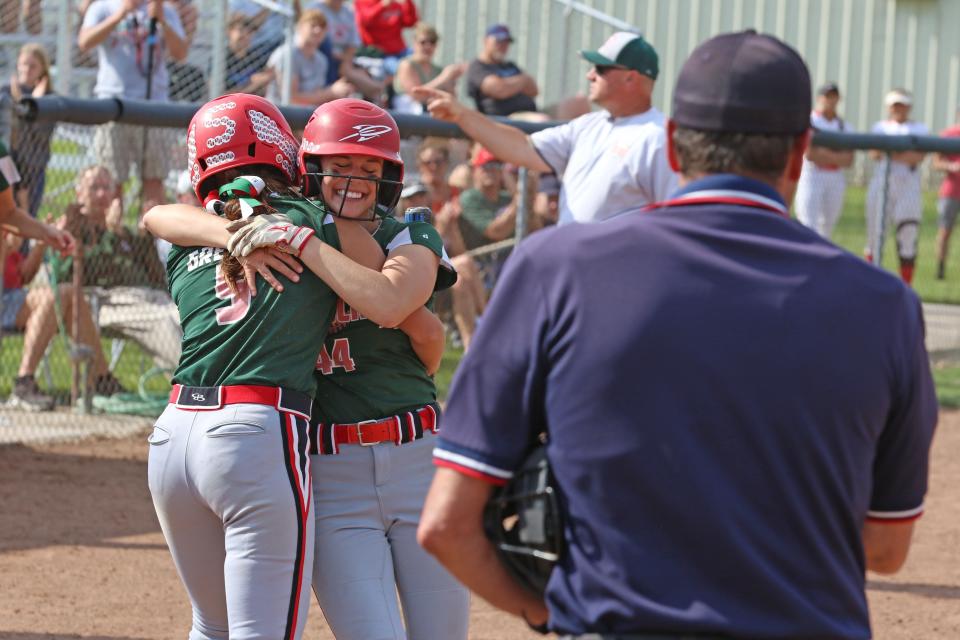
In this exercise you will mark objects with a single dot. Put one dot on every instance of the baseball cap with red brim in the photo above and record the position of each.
(482, 157)
(628, 51)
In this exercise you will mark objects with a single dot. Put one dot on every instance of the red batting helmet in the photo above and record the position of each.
(238, 130)
(352, 127)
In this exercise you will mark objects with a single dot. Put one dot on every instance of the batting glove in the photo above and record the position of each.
(270, 230)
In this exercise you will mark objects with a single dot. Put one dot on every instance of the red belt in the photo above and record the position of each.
(212, 398)
(399, 429)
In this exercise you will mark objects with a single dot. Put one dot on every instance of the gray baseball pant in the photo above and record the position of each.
(232, 488)
(367, 502)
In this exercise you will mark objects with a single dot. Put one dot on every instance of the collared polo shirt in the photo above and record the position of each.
(728, 396)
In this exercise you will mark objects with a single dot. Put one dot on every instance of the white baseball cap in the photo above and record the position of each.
(898, 96)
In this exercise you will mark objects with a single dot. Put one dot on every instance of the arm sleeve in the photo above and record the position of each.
(495, 410)
(410, 15)
(172, 17)
(903, 449)
(476, 72)
(555, 145)
(660, 180)
(426, 235)
(96, 13)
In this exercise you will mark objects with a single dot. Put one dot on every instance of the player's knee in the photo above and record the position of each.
(907, 235)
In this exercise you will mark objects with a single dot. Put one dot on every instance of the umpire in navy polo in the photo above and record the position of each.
(739, 412)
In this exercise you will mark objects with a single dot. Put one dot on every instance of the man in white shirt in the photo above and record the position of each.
(822, 184)
(900, 198)
(609, 162)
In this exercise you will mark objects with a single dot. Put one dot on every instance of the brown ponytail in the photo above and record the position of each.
(275, 185)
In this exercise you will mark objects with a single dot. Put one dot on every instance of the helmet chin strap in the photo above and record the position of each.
(343, 200)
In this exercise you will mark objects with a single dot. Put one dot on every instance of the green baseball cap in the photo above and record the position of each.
(628, 50)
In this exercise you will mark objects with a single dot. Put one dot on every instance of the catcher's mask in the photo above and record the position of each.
(352, 127)
(524, 522)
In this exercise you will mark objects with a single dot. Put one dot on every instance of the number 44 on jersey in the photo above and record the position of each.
(338, 356)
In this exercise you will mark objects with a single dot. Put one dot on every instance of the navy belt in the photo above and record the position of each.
(212, 398)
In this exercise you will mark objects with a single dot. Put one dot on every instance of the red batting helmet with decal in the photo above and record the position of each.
(238, 130)
(352, 127)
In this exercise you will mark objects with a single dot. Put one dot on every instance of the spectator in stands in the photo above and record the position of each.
(609, 162)
(308, 81)
(246, 67)
(546, 205)
(499, 87)
(29, 142)
(269, 27)
(414, 194)
(120, 29)
(419, 70)
(341, 46)
(487, 211)
(948, 206)
(34, 312)
(381, 24)
(122, 269)
(187, 82)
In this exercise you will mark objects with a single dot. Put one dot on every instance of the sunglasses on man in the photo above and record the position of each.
(604, 69)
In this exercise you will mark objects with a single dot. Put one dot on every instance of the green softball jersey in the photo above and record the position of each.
(268, 339)
(365, 372)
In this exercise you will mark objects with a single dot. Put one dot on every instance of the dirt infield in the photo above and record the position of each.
(81, 555)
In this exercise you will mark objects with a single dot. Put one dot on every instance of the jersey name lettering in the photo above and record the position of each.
(203, 256)
(344, 316)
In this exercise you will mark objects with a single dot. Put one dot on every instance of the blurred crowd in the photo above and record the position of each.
(600, 164)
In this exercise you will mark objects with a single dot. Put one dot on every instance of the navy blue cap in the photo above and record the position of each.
(500, 31)
(743, 83)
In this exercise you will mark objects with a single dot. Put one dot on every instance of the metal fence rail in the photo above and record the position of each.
(120, 297)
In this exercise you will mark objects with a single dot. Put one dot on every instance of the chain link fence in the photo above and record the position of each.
(86, 339)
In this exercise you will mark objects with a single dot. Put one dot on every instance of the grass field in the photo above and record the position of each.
(850, 234)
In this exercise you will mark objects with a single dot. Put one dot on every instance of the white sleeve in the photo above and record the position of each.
(172, 17)
(654, 174)
(555, 145)
(96, 13)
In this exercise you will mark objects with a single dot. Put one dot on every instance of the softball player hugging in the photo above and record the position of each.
(375, 411)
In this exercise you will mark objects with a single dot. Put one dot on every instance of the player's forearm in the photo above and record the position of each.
(187, 226)
(507, 143)
(19, 222)
(374, 294)
(427, 337)
(93, 36)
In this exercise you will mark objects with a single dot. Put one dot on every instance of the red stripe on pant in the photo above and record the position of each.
(291, 435)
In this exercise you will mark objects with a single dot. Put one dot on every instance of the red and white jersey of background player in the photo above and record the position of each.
(819, 198)
(819, 121)
(894, 128)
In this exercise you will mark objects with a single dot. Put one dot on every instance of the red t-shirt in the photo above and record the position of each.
(950, 188)
(382, 24)
(12, 274)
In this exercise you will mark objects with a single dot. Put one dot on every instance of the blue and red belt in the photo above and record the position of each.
(212, 398)
(327, 438)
